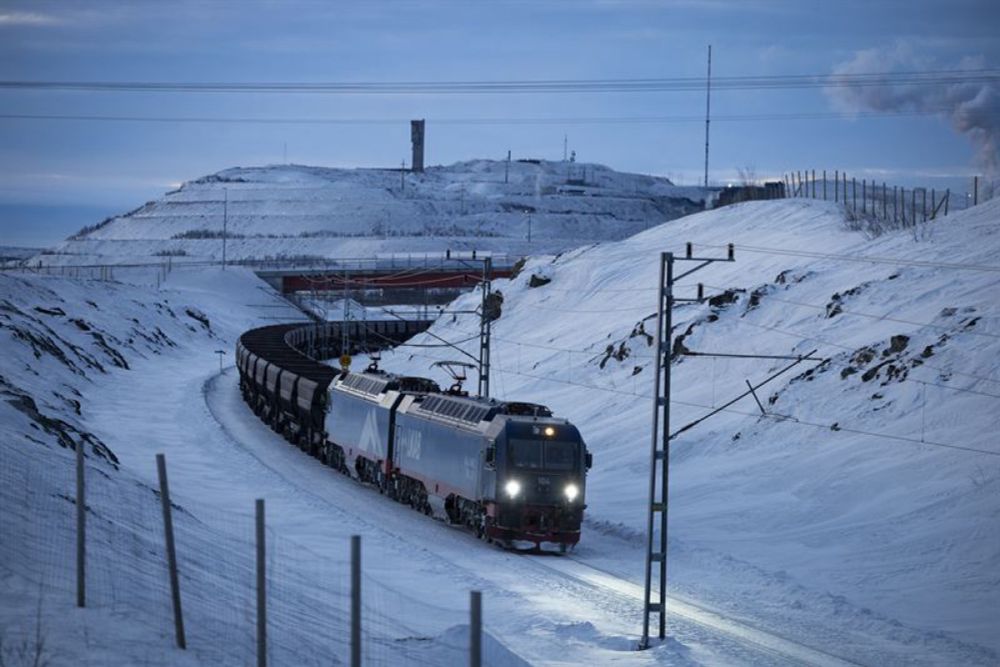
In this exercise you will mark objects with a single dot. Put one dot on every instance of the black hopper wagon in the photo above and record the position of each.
(509, 471)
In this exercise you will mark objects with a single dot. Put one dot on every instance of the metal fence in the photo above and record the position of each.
(879, 201)
(220, 560)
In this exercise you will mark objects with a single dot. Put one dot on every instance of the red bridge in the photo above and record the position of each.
(439, 274)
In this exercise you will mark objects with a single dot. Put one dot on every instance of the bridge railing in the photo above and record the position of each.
(446, 259)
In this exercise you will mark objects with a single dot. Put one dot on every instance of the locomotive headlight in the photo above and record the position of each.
(549, 431)
(571, 491)
(513, 487)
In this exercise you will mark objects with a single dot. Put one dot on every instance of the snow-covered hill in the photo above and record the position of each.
(856, 521)
(292, 211)
(870, 490)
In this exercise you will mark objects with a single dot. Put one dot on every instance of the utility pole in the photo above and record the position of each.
(484, 332)
(708, 108)
(225, 224)
(660, 439)
(345, 338)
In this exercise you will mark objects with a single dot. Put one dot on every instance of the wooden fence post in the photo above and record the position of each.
(975, 190)
(355, 601)
(933, 208)
(947, 200)
(885, 202)
(168, 529)
(895, 207)
(261, 586)
(923, 202)
(824, 185)
(814, 184)
(864, 195)
(475, 629)
(913, 206)
(836, 185)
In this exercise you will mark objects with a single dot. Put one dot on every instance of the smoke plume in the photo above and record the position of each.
(973, 109)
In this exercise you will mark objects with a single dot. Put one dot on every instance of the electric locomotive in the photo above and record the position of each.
(510, 471)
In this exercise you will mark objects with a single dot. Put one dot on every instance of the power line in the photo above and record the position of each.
(862, 258)
(637, 356)
(623, 85)
(628, 309)
(568, 120)
(816, 339)
(833, 426)
(885, 318)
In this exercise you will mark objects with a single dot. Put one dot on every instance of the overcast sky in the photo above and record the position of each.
(58, 175)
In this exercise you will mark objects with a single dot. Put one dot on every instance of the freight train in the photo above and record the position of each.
(509, 471)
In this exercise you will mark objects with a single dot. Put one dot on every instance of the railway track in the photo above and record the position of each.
(612, 601)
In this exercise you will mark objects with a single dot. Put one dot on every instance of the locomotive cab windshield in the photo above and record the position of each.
(543, 464)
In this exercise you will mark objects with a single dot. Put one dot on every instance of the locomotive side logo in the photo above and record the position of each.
(369, 441)
(409, 441)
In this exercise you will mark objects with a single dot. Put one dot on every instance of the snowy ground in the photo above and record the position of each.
(790, 544)
(869, 497)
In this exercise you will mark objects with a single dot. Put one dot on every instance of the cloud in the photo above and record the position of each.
(972, 108)
(27, 18)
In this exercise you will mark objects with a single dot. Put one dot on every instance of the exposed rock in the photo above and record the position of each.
(537, 280)
(494, 305)
(58, 312)
(724, 299)
(199, 316)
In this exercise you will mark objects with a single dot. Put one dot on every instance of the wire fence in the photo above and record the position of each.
(128, 595)
(891, 206)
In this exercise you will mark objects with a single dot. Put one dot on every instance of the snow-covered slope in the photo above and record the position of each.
(533, 206)
(870, 490)
(855, 522)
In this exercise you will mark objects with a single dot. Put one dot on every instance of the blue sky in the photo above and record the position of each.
(58, 175)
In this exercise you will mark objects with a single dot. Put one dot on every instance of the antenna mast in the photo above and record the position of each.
(708, 108)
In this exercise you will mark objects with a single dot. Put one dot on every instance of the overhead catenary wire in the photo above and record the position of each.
(646, 357)
(897, 261)
(815, 339)
(833, 426)
(886, 318)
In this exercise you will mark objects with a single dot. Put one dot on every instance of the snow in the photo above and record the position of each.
(893, 531)
(791, 544)
(297, 211)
